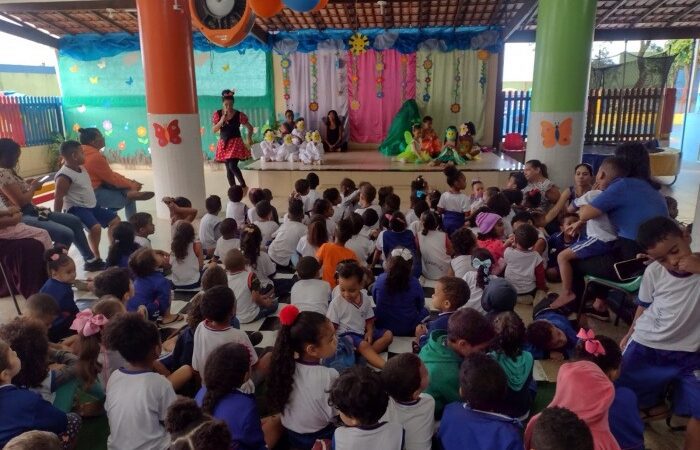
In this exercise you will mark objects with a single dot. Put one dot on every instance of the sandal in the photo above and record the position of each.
(178, 317)
(648, 414)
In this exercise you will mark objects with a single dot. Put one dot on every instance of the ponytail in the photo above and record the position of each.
(251, 239)
(225, 370)
(297, 330)
(482, 261)
(88, 367)
(430, 221)
(537, 164)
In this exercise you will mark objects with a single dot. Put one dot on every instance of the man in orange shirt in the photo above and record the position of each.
(112, 190)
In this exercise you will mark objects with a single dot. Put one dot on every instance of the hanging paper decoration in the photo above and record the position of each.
(341, 76)
(428, 68)
(404, 77)
(285, 63)
(358, 43)
(168, 134)
(107, 126)
(455, 108)
(379, 69)
(354, 80)
(142, 134)
(483, 56)
(313, 61)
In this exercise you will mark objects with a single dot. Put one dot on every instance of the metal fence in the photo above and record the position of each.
(31, 120)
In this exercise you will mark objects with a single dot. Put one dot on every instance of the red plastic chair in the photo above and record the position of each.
(514, 142)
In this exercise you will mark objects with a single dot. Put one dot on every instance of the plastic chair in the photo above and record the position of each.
(9, 288)
(626, 287)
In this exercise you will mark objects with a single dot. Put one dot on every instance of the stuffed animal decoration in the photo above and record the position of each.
(413, 153)
(467, 148)
(268, 147)
(299, 132)
(449, 153)
(312, 153)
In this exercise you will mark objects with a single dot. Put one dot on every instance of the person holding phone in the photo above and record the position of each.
(230, 149)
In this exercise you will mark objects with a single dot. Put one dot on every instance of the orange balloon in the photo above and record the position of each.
(321, 4)
(266, 8)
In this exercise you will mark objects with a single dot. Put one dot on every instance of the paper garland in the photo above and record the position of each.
(313, 61)
(339, 65)
(455, 108)
(428, 68)
(354, 81)
(404, 77)
(286, 63)
(379, 69)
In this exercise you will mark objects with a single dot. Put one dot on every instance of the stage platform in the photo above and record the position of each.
(370, 165)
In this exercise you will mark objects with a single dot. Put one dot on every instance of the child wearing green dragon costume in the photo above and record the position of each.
(413, 152)
(449, 153)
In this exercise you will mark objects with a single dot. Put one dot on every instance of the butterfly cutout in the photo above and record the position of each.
(102, 64)
(130, 81)
(74, 68)
(226, 67)
(94, 80)
(557, 132)
(169, 134)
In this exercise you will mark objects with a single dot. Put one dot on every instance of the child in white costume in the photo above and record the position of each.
(312, 152)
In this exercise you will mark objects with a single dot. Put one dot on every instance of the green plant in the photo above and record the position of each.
(54, 156)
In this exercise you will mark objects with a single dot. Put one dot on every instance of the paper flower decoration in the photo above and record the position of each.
(74, 68)
(426, 98)
(455, 108)
(212, 147)
(121, 145)
(285, 63)
(107, 126)
(379, 67)
(358, 43)
(201, 131)
(313, 106)
(354, 105)
(286, 96)
(483, 55)
(427, 64)
(141, 131)
(76, 127)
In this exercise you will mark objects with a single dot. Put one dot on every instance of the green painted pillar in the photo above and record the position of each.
(560, 85)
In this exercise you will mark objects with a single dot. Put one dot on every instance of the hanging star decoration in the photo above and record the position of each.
(358, 43)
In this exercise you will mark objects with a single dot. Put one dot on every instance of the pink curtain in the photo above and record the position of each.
(371, 114)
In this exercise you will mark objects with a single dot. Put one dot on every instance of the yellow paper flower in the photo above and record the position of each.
(354, 105)
(483, 55)
(379, 67)
(141, 131)
(358, 43)
(76, 127)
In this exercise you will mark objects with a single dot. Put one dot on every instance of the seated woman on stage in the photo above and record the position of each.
(287, 126)
(333, 140)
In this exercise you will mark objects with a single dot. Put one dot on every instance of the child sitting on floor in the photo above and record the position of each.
(331, 253)
(454, 205)
(61, 268)
(115, 282)
(235, 208)
(352, 315)
(359, 243)
(255, 196)
(435, 247)
(559, 242)
(525, 217)
(516, 363)
(151, 288)
(397, 235)
(298, 388)
(449, 295)
(75, 195)
(287, 236)
(524, 266)
(191, 429)
(137, 397)
(476, 422)
(124, 245)
(323, 208)
(180, 209)
(209, 225)
(547, 432)
(550, 335)
(310, 293)
(478, 277)
(253, 301)
(228, 240)
(490, 237)
(367, 195)
(398, 296)
(405, 378)
(143, 227)
(463, 245)
(186, 257)
(359, 396)
(265, 223)
(467, 332)
(316, 236)
(662, 345)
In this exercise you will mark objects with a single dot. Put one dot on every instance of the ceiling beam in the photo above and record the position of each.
(651, 11)
(42, 23)
(21, 7)
(79, 22)
(678, 16)
(260, 34)
(420, 14)
(461, 13)
(622, 34)
(26, 32)
(611, 11)
(110, 21)
(315, 16)
(520, 18)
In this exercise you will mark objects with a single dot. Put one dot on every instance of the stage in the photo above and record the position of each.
(370, 165)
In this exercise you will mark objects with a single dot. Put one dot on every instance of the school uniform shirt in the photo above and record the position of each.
(223, 246)
(434, 257)
(306, 249)
(672, 315)
(237, 211)
(465, 428)
(185, 271)
(80, 192)
(348, 204)
(330, 228)
(206, 339)
(307, 410)
(242, 284)
(309, 200)
(329, 255)
(454, 202)
(150, 291)
(401, 311)
(626, 427)
(209, 230)
(311, 295)
(264, 268)
(599, 227)
(555, 245)
(252, 215)
(62, 293)
(24, 410)
(136, 405)
(376, 208)
(475, 292)
(267, 228)
(384, 435)
(411, 216)
(348, 317)
(338, 211)
(462, 264)
(285, 241)
(240, 413)
(562, 322)
(142, 241)
(415, 227)
(362, 246)
(521, 267)
(417, 419)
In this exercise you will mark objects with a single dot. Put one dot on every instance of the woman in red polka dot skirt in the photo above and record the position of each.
(230, 149)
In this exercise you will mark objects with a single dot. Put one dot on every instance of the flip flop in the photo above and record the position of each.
(178, 317)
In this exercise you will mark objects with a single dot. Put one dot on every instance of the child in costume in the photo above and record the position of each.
(430, 142)
(414, 152)
(467, 148)
(298, 133)
(312, 152)
(449, 153)
(268, 147)
(287, 151)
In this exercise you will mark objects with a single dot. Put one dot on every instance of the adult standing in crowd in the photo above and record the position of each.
(230, 149)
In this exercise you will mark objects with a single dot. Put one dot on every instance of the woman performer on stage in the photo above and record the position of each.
(230, 149)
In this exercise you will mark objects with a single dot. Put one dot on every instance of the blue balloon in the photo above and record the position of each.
(301, 5)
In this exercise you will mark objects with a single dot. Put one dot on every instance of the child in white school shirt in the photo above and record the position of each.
(359, 243)
(286, 238)
(310, 293)
(209, 225)
(228, 240)
(265, 223)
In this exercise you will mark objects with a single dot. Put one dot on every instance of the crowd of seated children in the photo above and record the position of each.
(186, 257)
(253, 300)
(229, 239)
(310, 292)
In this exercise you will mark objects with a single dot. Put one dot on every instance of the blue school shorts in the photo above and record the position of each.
(357, 337)
(92, 216)
(591, 247)
(650, 372)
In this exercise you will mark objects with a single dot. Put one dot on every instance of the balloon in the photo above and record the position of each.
(302, 5)
(321, 4)
(266, 8)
